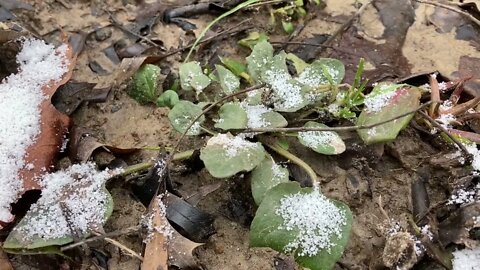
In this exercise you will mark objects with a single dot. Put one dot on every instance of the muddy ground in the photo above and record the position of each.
(397, 38)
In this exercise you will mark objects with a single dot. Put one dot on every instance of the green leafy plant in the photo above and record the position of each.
(292, 10)
(245, 123)
(145, 88)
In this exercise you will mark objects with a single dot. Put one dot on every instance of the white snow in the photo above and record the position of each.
(20, 98)
(164, 229)
(231, 144)
(313, 139)
(473, 150)
(374, 103)
(255, 115)
(287, 93)
(73, 202)
(466, 259)
(315, 218)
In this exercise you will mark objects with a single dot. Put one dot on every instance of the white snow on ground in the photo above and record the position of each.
(20, 97)
(466, 259)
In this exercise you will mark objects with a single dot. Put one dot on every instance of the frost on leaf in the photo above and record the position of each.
(232, 116)
(323, 142)
(260, 116)
(387, 102)
(228, 81)
(183, 114)
(321, 71)
(74, 203)
(192, 77)
(28, 120)
(265, 176)
(225, 155)
(304, 222)
(262, 54)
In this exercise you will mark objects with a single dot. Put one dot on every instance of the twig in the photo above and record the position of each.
(125, 231)
(146, 165)
(349, 128)
(468, 156)
(123, 28)
(348, 23)
(451, 8)
(124, 248)
(314, 45)
(275, 147)
(249, 89)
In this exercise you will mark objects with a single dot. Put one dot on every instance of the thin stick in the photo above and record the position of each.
(348, 23)
(444, 130)
(451, 8)
(124, 248)
(123, 28)
(314, 45)
(350, 128)
(125, 231)
(249, 89)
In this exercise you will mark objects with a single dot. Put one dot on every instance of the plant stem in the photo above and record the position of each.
(298, 161)
(350, 128)
(226, 14)
(146, 165)
(208, 131)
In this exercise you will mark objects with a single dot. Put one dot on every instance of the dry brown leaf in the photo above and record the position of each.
(180, 251)
(156, 251)
(4, 261)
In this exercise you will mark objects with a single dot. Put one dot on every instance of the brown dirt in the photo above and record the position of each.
(362, 177)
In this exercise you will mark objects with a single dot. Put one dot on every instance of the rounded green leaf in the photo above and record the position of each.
(321, 71)
(225, 155)
(229, 82)
(232, 116)
(145, 84)
(183, 114)
(302, 221)
(235, 66)
(260, 116)
(323, 142)
(262, 54)
(168, 99)
(265, 176)
(383, 103)
(192, 77)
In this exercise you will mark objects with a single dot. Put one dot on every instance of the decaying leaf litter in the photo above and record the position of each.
(413, 200)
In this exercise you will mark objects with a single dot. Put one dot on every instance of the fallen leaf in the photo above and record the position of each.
(180, 251)
(156, 252)
(4, 261)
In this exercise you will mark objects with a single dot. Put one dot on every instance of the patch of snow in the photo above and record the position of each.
(313, 139)
(462, 196)
(466, 259)
(20, 97)
(473, 150)
(333, 108)
(73, 202)
(231, 144)
(374, 103)
(164, 229)
(426, 231)
(255, 115)
(287, 94)
(315, 218)
(277, 171)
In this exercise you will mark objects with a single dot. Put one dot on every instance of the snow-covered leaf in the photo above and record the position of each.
(232, 116)
(183, 114)
(320, 70)
(323, 142)
(225, 155)
(304, 222)
(168, 99)
(229, 82)
(262, 54)
(387, 101)
(192, 77)
(74, 203)
(260, 116)
(145, 84)
(265, 176)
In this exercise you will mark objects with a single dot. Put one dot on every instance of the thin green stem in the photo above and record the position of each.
(208, 131)
(298, 161)
(224, 15)
(146, 165)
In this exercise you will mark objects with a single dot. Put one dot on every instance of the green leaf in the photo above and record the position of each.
(235, 66)
(288, 27)
(260, 116)
(192, 77)
(265, 176)
(323, 142)
(183, 114)
(298, 63)
(232, 116)
(314, 75)
(229, 82)
(253, 39)
(313, 227)
(385, 102)
(262, 54)
(64, 211)
(145, 84)
(225, 155)
(168, 99)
